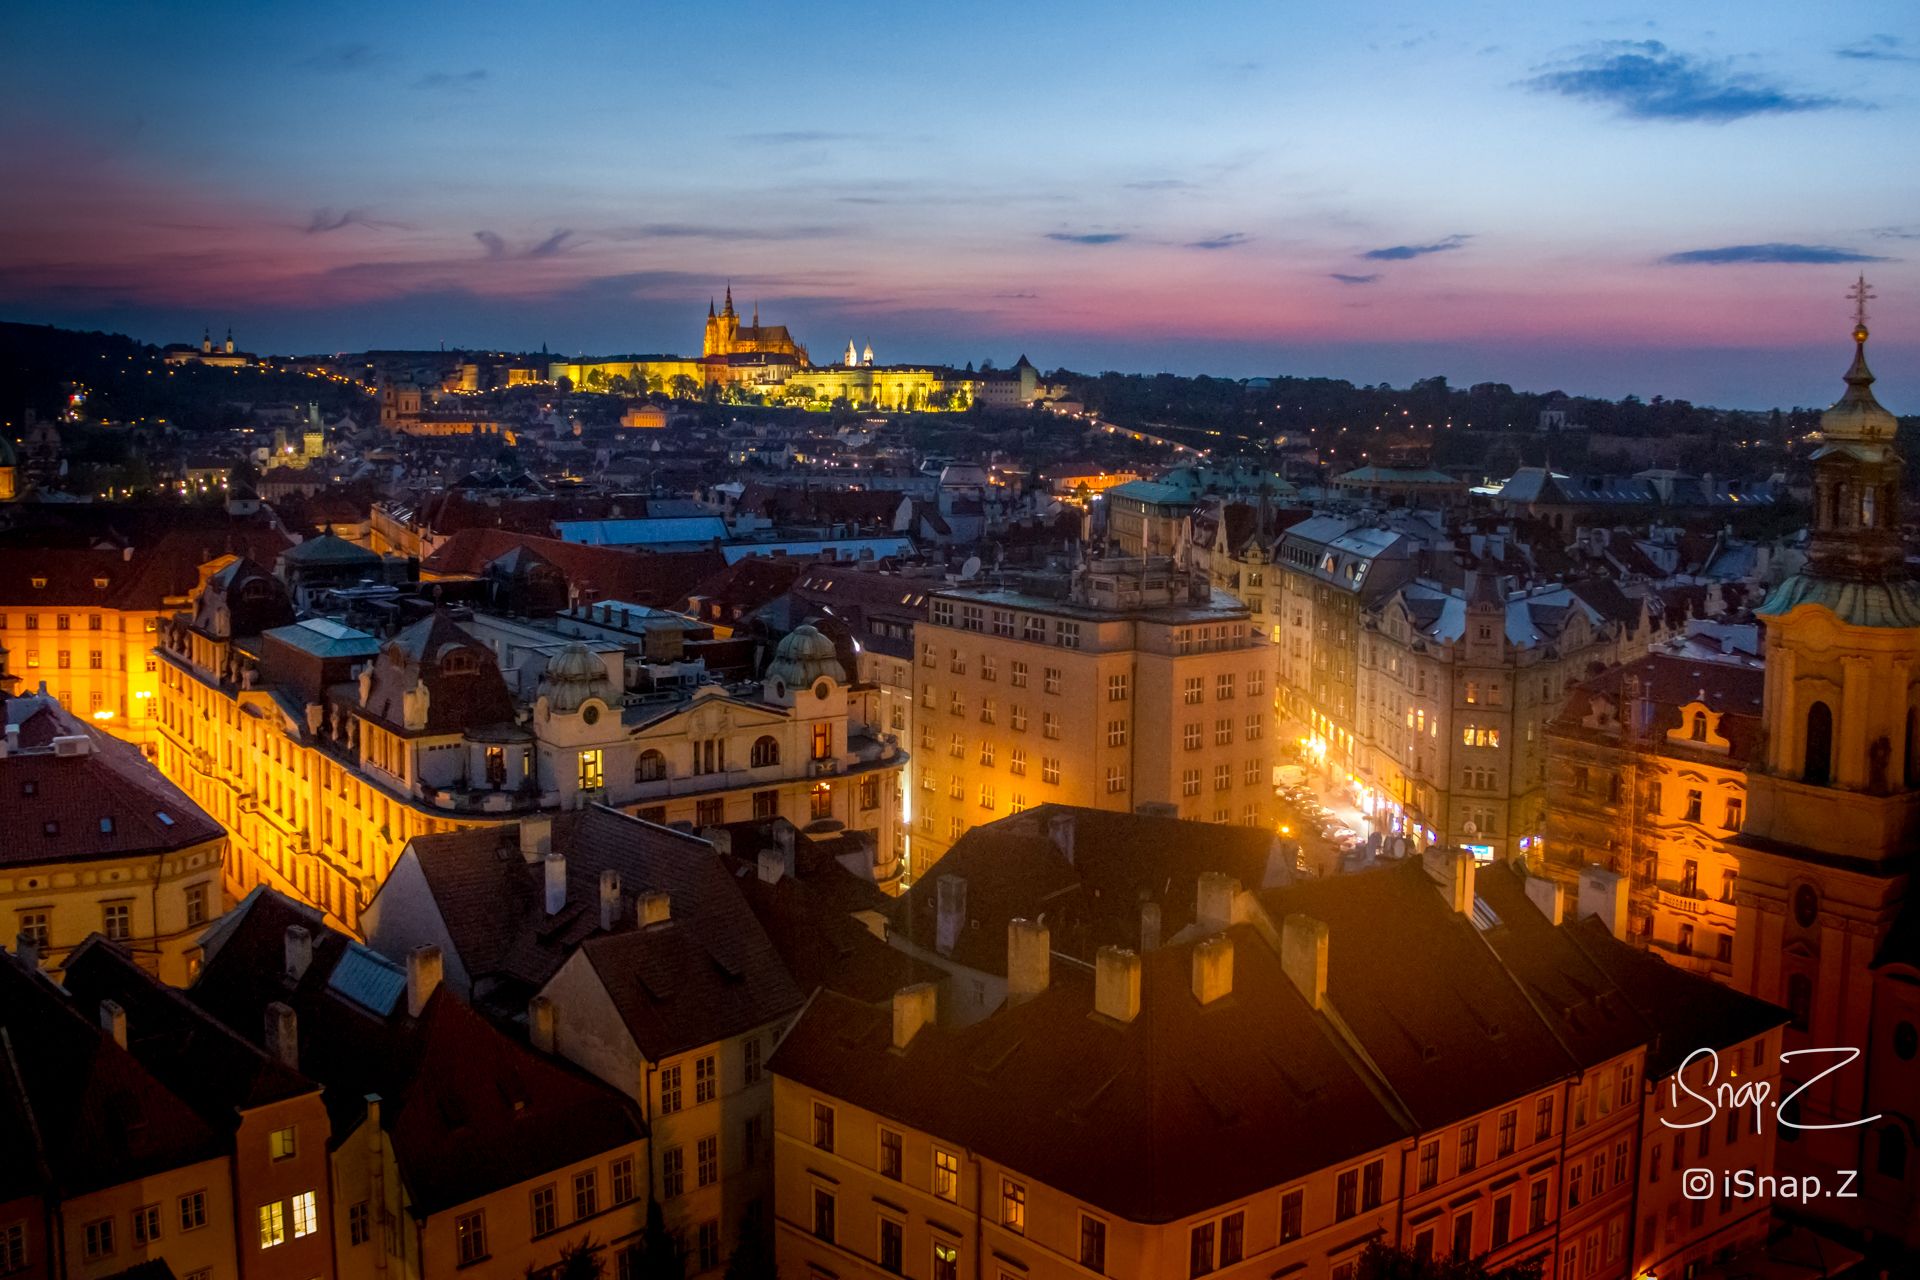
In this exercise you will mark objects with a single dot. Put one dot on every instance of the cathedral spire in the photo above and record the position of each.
(729, 307)
(1856, 415)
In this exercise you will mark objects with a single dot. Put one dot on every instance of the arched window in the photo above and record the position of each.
(1699, 726)
(1800, 1001)
(765, 752)
(650, 767)
(1892, 1162)
(1819, 757)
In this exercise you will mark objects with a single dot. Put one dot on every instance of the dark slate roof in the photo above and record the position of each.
(77, 1112)
(707, 973)
(820, 944)
(455, 700)
(1182, 1109)
(329, 550)
(107, 803)
(470, 1109)
(1670, 682)
(1443, 1020)
(1121, 861)
(658, 578)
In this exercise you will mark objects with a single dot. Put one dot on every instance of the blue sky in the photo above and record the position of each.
(1601, 199)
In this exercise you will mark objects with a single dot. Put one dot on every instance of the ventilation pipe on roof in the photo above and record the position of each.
(1116, 984)
(950, 913)
(609, 899)
(113, 1020)
(27, 947)
(1213, 903)
(1460, 868)
(1545, 894)
(1029, 959)
(913, 1008)
(1303, 957)
(556, 872)
(1149, 927)
(1603, 893)
(299, 952)
(283, 1034)
(536, 836)
(424, 967)
(1213, 968)
(542, 1023)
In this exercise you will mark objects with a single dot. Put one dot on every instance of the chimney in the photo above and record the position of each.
(1460, 882)
(913, 1008)
(1060, 831)
(1029, 960)
(299, 949)
(536, 836)
(951, 913)
(783, 836)
(556, 865)
(609, 899)
(773, 866)
(656, 907)
(283, 1034)
(1149, 927)
(1116, 983)
(423, 978)
(720, 838)
(1213, 904)
(1545, 894)
(1303, 956)
(28, 950)
(1603, 893)
(541, 1022)
(113, 1020)
(1213, 968)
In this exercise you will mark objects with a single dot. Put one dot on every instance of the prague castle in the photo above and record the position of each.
(725, 337)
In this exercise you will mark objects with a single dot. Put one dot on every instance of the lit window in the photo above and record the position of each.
(946, 1175)
(306, 1219)
(592, 774)
(470, 1237)
(281, 1144)
(273, 1225)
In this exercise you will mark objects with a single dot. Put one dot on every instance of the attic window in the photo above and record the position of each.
(50, 828)
(106, 826)
(100, 583)
(29, 788)
(166, 819)
(460, 663)
(39, 583)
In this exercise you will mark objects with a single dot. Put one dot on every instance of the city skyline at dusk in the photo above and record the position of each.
(1601, 203)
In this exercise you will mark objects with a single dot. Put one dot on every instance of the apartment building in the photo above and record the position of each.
(1119, 684)
(93, 840)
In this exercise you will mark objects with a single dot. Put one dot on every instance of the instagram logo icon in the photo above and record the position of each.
(1697, 1184)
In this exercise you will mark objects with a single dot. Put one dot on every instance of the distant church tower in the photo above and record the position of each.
(1833, 804)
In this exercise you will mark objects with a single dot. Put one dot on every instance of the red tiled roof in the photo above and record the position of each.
(659, 578)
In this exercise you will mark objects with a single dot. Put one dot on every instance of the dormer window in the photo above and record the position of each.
(1698, 730)
(39, 584)
(460, 663)
(100, 584)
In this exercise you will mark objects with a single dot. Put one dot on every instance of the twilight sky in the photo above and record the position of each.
(1666, 200)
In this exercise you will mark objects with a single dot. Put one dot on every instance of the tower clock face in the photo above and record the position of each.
(1806, 906)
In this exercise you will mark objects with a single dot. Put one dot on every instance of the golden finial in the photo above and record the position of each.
(1861, 295)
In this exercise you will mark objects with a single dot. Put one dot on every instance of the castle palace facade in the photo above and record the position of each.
(726, 337)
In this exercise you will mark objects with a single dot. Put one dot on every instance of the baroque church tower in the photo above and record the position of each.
(1824, 926)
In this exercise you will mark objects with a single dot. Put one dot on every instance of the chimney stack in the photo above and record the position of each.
(773, 866)
(1545, 894)
(913, 1008)
(299, 952)
(950, 913)
(28, 950)
(536, 836)
(1213, 904)
(424, 967)
(1603, 893)
(1029, 960)
(113, 1020)
(283, 1035)
(1213, 968)
(1149, 927)
(1060, 831)
(556, 865)
(656, 907)
(1460, 882)
(609, 899)
(1303, 957)
(1116, 983)
(541, 1023)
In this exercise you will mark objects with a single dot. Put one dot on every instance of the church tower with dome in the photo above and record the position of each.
(1825, 925)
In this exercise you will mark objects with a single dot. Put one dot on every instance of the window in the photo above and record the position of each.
(1502, 1221)
(1117, 688)
(752, 1138)
(1736, 813)
(890, 1162)
(1049, 725)
(359, 1223)
(1200, 1249)
(1346, 1195)
(946, 1175)
(1190, 782)
(987, 713)
(766, 804)
(946, 1261)
(823, 1214)
(1052, 679)
(956, 662)
(273, 1225)
(1116, 781)
(99, 1237)
(1256, 726)
(1693, 805)
(1372, 1184)
(1093, 1244)
(36, 927)
(146, 1224)
(669, 1089)
(586, 1195)
(820, 800)
(1477, 735)
(987, 752)
(1543, 1119)
(1116, 733)
(989, 667)
(1050, 769)
(706, 1079)
(1066, 634)
(1223, 731)
(1429, 1164)
(281, 1144)
(1190, 736)
(592, 769)
(765, 752)
(1469, 1148)
(1463, 1237)
(823, 1125)
(193, 1210)
(673, 1172)
(196, 904)
(1292, 1211)
(1509, 1127)
(1233, 1238)
(892, 1245)
(470, 1237)
(1017, 675)
(822, 741)
(1222, 777)
(707, 1160)
(1013, 1205)
(1017, 762)
(1018, 718)
(707, 1244)
(1537, 1205)
(116, 921)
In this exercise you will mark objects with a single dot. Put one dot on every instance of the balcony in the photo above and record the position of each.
(1676, 897)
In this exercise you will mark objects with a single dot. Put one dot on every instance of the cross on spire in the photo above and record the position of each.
(1861, 295)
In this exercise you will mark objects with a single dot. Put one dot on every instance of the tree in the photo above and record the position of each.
(1382, 1263)
(658, 1255)
(683, 387)
(577, 1262)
